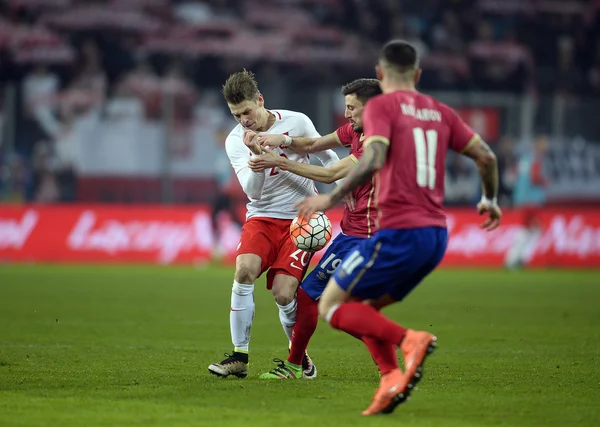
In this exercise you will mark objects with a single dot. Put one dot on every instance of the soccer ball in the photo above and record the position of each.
(311, 233)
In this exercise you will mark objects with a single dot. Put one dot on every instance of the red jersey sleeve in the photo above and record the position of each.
(356, 151)
(461, 133)
(345, 134)
(376, 120)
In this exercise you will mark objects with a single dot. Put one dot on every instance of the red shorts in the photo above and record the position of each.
(270, 239)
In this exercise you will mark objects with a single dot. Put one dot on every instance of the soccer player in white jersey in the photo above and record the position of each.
(265, 242)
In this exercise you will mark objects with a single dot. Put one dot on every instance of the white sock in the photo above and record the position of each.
(241, 316)
(287, 316)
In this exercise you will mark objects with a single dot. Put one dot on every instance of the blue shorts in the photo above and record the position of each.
(391, 262)
(315, 282)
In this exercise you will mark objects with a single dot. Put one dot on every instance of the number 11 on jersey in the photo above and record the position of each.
(426, 150)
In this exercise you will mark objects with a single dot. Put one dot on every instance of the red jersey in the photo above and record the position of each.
(419, 130)
(360, 222)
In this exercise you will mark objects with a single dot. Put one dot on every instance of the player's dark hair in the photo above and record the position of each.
(400, 55)
(364, 89)
(240, 87)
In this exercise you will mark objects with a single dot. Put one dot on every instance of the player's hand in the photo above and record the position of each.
(350, 202)
(270, 140)
(269, 159)
(251, 141)
(494, 214)
(313, 204)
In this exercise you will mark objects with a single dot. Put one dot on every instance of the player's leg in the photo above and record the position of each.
(309, 292)
(362, 321)
(248, 267)
(380, 335)
(283, 278)
(429, 246)
(254, 254)
(291, 263)
(366, 269)
(371, 272)
(307, 319)
(283, 287)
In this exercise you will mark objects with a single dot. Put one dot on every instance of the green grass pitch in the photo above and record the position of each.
(129, 346)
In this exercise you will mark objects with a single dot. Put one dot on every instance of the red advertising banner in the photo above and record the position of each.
(484, 120)
(183, 235)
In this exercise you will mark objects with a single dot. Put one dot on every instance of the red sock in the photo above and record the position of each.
(359, 319)
(383, 353)
(307, 318)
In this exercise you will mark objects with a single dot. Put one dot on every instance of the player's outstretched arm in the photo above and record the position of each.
(326, 175)
(328, 158)
(302, 145)
(487, 164)
(372, 160)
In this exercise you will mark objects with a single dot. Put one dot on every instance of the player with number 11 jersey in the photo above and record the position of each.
(407, 135)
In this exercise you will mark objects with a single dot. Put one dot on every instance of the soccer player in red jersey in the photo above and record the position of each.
(407, 135)
(358, 222)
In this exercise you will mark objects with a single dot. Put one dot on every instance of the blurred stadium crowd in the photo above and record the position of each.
(71, 67)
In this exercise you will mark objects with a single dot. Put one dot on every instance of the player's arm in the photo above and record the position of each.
(377, 131)
(323, 174)
(328, 158)
(321, 145)
(487, 164)
(371, 161)
(251, 181)
(301, 144)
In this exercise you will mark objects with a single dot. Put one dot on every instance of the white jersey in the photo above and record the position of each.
(274, 192)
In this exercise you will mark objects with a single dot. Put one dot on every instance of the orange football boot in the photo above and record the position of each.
(416, 346)
(389, 395)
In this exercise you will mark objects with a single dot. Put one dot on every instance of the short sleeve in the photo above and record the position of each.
(345, 134)
(461, 133)
(377, 121)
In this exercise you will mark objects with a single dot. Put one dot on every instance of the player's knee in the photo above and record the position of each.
(284, 293)
(283, 296)
(245, 273)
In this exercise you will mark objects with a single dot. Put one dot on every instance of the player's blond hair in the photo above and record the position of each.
(240, 87)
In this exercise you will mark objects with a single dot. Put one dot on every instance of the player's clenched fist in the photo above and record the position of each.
(269, 159)
(271, 140)
(251, 141)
